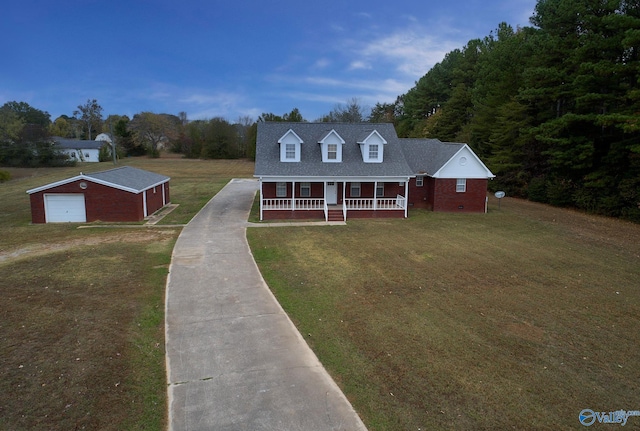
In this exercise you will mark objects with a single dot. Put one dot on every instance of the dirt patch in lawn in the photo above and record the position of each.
(82, 332)
(137, 236)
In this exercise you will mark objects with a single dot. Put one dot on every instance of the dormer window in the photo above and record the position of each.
(331, 147)
(372, 147)
(332, 151)
(290, 151)
(290, 144)
(373, 151)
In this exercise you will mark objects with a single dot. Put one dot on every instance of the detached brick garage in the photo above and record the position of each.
(117, 195)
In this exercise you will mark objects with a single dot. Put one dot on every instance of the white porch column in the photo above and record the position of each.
(144, 203)
(164, 198)
(261, 199)
(344, 194)
(406, 198)
(293, 195)
(375, 195)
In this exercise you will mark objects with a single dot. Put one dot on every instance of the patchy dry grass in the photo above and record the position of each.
(82, 322)
(517, 319)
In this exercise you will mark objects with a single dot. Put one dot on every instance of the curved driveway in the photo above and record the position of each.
(234, 359)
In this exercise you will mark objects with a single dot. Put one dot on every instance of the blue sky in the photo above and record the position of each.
(231, 58)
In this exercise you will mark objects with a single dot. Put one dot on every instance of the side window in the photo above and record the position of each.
(419, 181)
(305, 190)
(281, 190)
(461, 185)
(355, 190)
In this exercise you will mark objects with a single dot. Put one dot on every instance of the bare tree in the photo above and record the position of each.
(90, 114)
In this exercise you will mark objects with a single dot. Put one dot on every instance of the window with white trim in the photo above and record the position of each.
(373, 151)
(380, 190)
(332, 151)
(305, 190)
(355, 190)
(281, 190)
(290, 151)
(419, 181)
(461, 185)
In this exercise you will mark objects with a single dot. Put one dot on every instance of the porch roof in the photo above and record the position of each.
(311, 167)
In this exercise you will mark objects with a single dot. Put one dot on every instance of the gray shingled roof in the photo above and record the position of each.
(132, 178)
(427, 156)
(268, 151)
(77, 144)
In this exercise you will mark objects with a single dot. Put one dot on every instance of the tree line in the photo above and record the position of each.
(26, 133)
(553, 109)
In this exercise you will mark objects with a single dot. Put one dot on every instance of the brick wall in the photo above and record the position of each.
(101, 202)
(446, 199)
(154, 198)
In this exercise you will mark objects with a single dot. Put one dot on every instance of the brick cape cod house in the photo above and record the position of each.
(340, 170)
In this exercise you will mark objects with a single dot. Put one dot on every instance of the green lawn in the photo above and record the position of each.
(517, 319)
(82, 321)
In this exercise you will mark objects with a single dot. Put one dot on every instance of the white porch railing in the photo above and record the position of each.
(397, 203)
(287, 204)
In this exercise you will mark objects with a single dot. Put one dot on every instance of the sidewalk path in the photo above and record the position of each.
(234, 359)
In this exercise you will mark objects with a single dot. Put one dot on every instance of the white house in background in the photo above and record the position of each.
(104, 137)
(80, 149)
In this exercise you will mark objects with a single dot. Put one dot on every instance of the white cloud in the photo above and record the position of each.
(359, 64)
(412, 51)
(322, 63)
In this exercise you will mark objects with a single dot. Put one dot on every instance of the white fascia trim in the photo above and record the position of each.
(489, 173)
(59, 183)
(274, 179)
(294, 134)
(375, 132)
(93, 180)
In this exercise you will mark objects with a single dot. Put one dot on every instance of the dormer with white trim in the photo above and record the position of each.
(372, 147)
(290, 144)
(331, 147)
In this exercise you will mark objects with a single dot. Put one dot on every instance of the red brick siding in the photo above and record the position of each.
(419, 197)
(391, 190)
(154, 200)
(319, 215)
(101, 202)
(37, 208)
(446, 199)
(292, 215)
(269, 190)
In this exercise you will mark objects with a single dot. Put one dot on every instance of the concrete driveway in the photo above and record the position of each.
(234, 359)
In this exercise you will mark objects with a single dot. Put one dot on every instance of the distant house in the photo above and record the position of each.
(80, 149)
(116, 195)
(104, 137)
(340, 170)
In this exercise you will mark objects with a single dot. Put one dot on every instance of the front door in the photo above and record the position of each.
(332, 193)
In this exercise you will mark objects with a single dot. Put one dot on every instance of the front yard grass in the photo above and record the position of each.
(516, 319)
(82, 321)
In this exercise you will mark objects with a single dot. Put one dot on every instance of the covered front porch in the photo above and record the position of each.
(332, 199)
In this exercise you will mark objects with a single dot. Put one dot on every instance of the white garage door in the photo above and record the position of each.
(65, 208)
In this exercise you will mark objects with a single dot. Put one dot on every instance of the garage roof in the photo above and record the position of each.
(126, 178)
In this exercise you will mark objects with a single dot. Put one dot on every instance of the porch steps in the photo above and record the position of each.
(335, 215)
